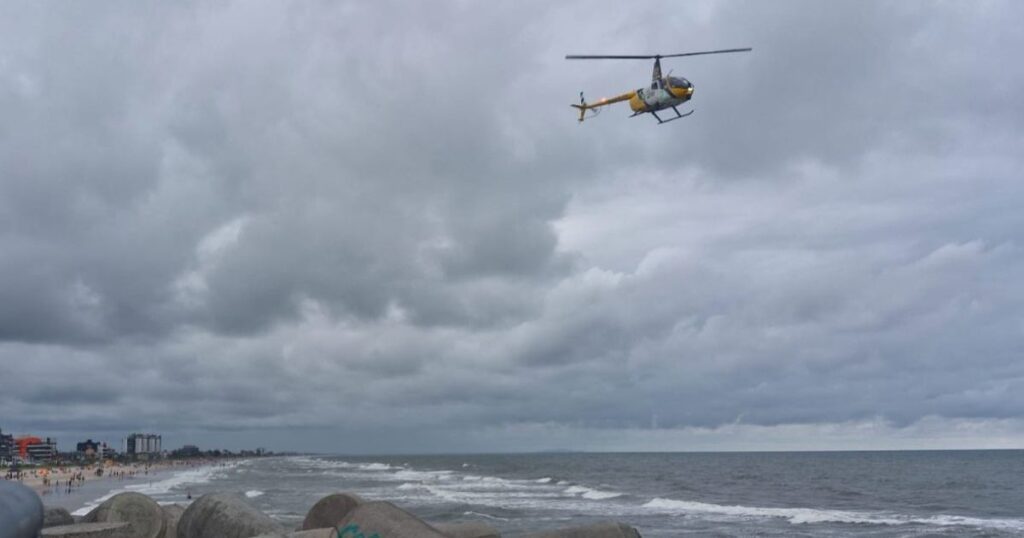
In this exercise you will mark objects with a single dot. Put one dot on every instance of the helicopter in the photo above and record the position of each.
(665, 91)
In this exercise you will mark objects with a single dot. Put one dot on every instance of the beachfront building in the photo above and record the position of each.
(88, 449)
(22, 443)
(187, 451)
(6, 447)
(42, 451)
(143, 445)
(108, 452)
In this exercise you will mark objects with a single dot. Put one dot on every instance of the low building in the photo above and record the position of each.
(42, 451)
(88, 449)
(187, 451)
(108, 452)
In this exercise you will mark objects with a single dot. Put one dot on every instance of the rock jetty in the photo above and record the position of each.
(224, 515)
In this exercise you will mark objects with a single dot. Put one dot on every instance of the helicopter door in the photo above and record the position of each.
(653, 96)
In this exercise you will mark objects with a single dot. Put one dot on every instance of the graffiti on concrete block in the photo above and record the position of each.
(352, 531)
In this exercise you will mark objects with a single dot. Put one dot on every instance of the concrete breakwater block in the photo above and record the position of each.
(144, 516)
(311, 533)
(172, 513)
(225, 515)
(381, 519)
(56, 516)
(21, 510)
(599, 530)
(327, 512)
(315, 533)
(467, 530)
(120, 529)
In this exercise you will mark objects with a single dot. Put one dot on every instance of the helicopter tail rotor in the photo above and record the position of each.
(595, 108)
(582, 106)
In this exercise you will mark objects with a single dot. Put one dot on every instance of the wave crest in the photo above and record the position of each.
(801, 516)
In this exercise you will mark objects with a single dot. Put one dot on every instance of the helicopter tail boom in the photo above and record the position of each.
(584, 106)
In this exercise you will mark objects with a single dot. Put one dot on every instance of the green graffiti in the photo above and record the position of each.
(352, 531)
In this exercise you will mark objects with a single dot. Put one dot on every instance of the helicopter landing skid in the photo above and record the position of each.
(678, 116)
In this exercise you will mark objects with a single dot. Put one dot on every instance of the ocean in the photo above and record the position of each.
(927, 493)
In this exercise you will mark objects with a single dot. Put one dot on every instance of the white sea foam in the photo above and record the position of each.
(253, 493)
(409, 475)
(483, 515)
(799, 516)
(597, 495)
(591, 493)
(363, 470)
(320, 463)
(462, 487)
(198, 475)
(794, 515)
(495, 482)
(1013, 525)
(375, 467)
(95, 502)
(497, 499)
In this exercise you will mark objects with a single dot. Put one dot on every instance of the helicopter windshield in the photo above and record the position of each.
(678, 82)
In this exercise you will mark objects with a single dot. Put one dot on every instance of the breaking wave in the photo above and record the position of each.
(198, 475)
(806, 516)
(590, 493)
(483, 515)
(462, 487)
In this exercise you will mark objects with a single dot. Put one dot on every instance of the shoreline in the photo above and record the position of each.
(78, 487)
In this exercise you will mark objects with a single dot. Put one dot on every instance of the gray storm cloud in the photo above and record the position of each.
(381, 222)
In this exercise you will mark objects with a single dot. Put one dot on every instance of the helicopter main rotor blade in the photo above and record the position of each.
(648, 56)
(605, 57)
(748, 49)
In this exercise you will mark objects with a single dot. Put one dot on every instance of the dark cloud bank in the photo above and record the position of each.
(361, 227)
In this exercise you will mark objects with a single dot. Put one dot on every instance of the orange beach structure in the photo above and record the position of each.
(24, 442)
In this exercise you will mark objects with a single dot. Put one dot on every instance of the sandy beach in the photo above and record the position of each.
(67, 479)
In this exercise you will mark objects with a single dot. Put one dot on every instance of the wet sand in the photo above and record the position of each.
(91, 490)
(71, 486)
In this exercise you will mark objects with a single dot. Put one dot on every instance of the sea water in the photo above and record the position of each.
(931, 493)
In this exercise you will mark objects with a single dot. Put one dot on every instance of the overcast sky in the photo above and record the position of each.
(377, 226)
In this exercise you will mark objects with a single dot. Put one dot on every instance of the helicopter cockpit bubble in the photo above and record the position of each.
(679, 82)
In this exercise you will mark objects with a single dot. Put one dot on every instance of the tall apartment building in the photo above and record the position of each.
(6, 447)
(146, 445)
